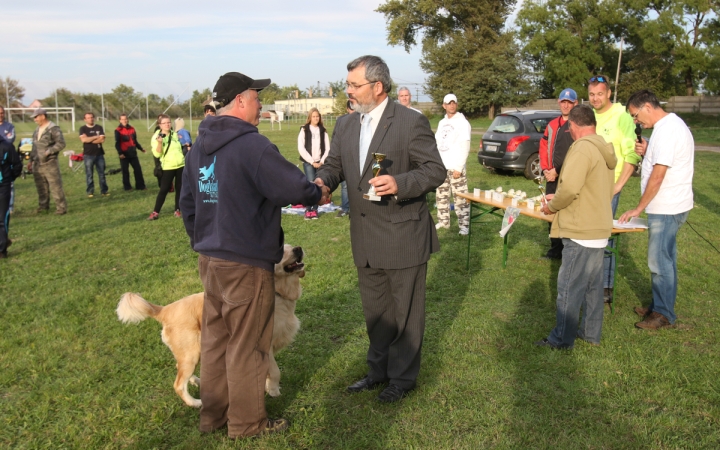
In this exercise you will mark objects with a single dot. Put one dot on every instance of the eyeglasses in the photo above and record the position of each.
(354, 86)
(598, 79)
(635, 116)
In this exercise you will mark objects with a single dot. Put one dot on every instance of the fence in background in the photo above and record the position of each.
(142, 103)
(700, 104)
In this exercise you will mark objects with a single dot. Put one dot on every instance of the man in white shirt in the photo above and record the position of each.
(667, 198)
(453, 141)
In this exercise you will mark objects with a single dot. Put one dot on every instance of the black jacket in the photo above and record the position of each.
(10, 163)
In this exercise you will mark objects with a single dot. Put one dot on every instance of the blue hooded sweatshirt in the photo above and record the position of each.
(235, 183)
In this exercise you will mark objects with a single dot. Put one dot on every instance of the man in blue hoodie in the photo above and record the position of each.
(234, 186)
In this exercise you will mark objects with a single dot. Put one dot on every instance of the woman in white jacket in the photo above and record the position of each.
(313, 146)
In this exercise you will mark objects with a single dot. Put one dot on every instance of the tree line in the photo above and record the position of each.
(125, 99)
(669, 46)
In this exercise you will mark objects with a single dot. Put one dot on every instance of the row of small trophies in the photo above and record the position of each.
(376, 167)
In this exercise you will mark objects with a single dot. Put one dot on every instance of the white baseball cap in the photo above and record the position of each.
(449, 98)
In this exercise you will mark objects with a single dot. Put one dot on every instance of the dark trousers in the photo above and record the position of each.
(236, 333)
(166, 183)
(556, 245)
(394, 308)
(158, 164)
(125, 164)
(4, 216)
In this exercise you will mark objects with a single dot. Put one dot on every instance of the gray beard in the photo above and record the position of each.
(362, 109)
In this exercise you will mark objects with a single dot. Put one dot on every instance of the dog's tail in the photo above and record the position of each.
(133, 309)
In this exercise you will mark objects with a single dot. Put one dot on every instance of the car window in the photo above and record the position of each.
(505, 124)
(540, 124)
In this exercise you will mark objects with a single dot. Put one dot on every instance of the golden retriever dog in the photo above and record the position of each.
(182, 320)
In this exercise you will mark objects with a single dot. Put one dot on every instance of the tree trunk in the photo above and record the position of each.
(689, 82)
(491, 111)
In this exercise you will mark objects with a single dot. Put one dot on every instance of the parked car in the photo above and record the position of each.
(512, 142)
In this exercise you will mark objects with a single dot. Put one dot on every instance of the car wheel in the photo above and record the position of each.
(532, 167)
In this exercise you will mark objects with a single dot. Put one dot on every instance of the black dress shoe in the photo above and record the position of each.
(365, 384)
(393, 393)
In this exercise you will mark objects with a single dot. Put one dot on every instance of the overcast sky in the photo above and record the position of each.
(168, 47)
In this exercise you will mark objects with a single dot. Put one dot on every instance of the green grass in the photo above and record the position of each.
(705, 127)
(73, 376)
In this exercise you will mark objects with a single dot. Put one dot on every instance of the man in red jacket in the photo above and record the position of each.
(553, 148)
(127, 145)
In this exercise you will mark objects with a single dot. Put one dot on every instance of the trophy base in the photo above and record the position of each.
(372, 197)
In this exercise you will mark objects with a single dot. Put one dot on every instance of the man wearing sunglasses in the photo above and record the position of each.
(617, 127)
(667, 198)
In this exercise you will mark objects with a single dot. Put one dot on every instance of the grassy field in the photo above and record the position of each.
(73, 376)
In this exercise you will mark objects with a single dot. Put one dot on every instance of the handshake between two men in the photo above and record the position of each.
(383, 184)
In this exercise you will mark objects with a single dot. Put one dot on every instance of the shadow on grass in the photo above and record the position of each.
(708, 203)
(543, 381)
(629, 270)
(448, 282)
(331, 354)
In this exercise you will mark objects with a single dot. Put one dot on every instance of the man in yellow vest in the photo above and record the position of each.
(618, 129)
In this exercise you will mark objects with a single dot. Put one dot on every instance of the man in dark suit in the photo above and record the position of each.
(392, 239)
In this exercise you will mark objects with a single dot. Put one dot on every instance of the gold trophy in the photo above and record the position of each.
(539, 181)
(371, 195)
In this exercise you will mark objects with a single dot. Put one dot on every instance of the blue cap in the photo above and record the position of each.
(568, 94)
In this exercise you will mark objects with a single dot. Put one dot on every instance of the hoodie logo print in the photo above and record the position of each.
(207, 183)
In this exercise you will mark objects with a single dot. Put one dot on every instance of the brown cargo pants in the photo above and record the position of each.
(48, 180)
(237, 327)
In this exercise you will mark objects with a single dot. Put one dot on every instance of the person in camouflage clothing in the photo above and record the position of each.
(453, 141)
(48, 141)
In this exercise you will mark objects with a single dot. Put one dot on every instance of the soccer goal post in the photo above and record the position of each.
(64, 112)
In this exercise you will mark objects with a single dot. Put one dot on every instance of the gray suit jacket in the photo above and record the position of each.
(393, 233)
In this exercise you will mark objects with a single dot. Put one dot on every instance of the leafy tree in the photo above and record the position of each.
(673, 43)
(670, 45)
(11, 88)
(340, 105)
(337, 87)
(270, 94)
(568, 41)
(476, 73)
(463, 44)
(198, 98)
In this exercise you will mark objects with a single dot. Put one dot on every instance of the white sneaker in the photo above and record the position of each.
(440, 225)
(464, 231)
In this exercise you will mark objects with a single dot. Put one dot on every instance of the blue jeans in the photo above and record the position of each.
(579, 288)
(310, 174)
(345, 205)
(662, 261)
(99, 162)
(609, 263)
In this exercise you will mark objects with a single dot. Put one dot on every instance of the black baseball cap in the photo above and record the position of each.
(209, 107)
(231, 84)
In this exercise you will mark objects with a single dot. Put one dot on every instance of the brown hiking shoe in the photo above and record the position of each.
(654, 321)
(274, 426)
(642, 312)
